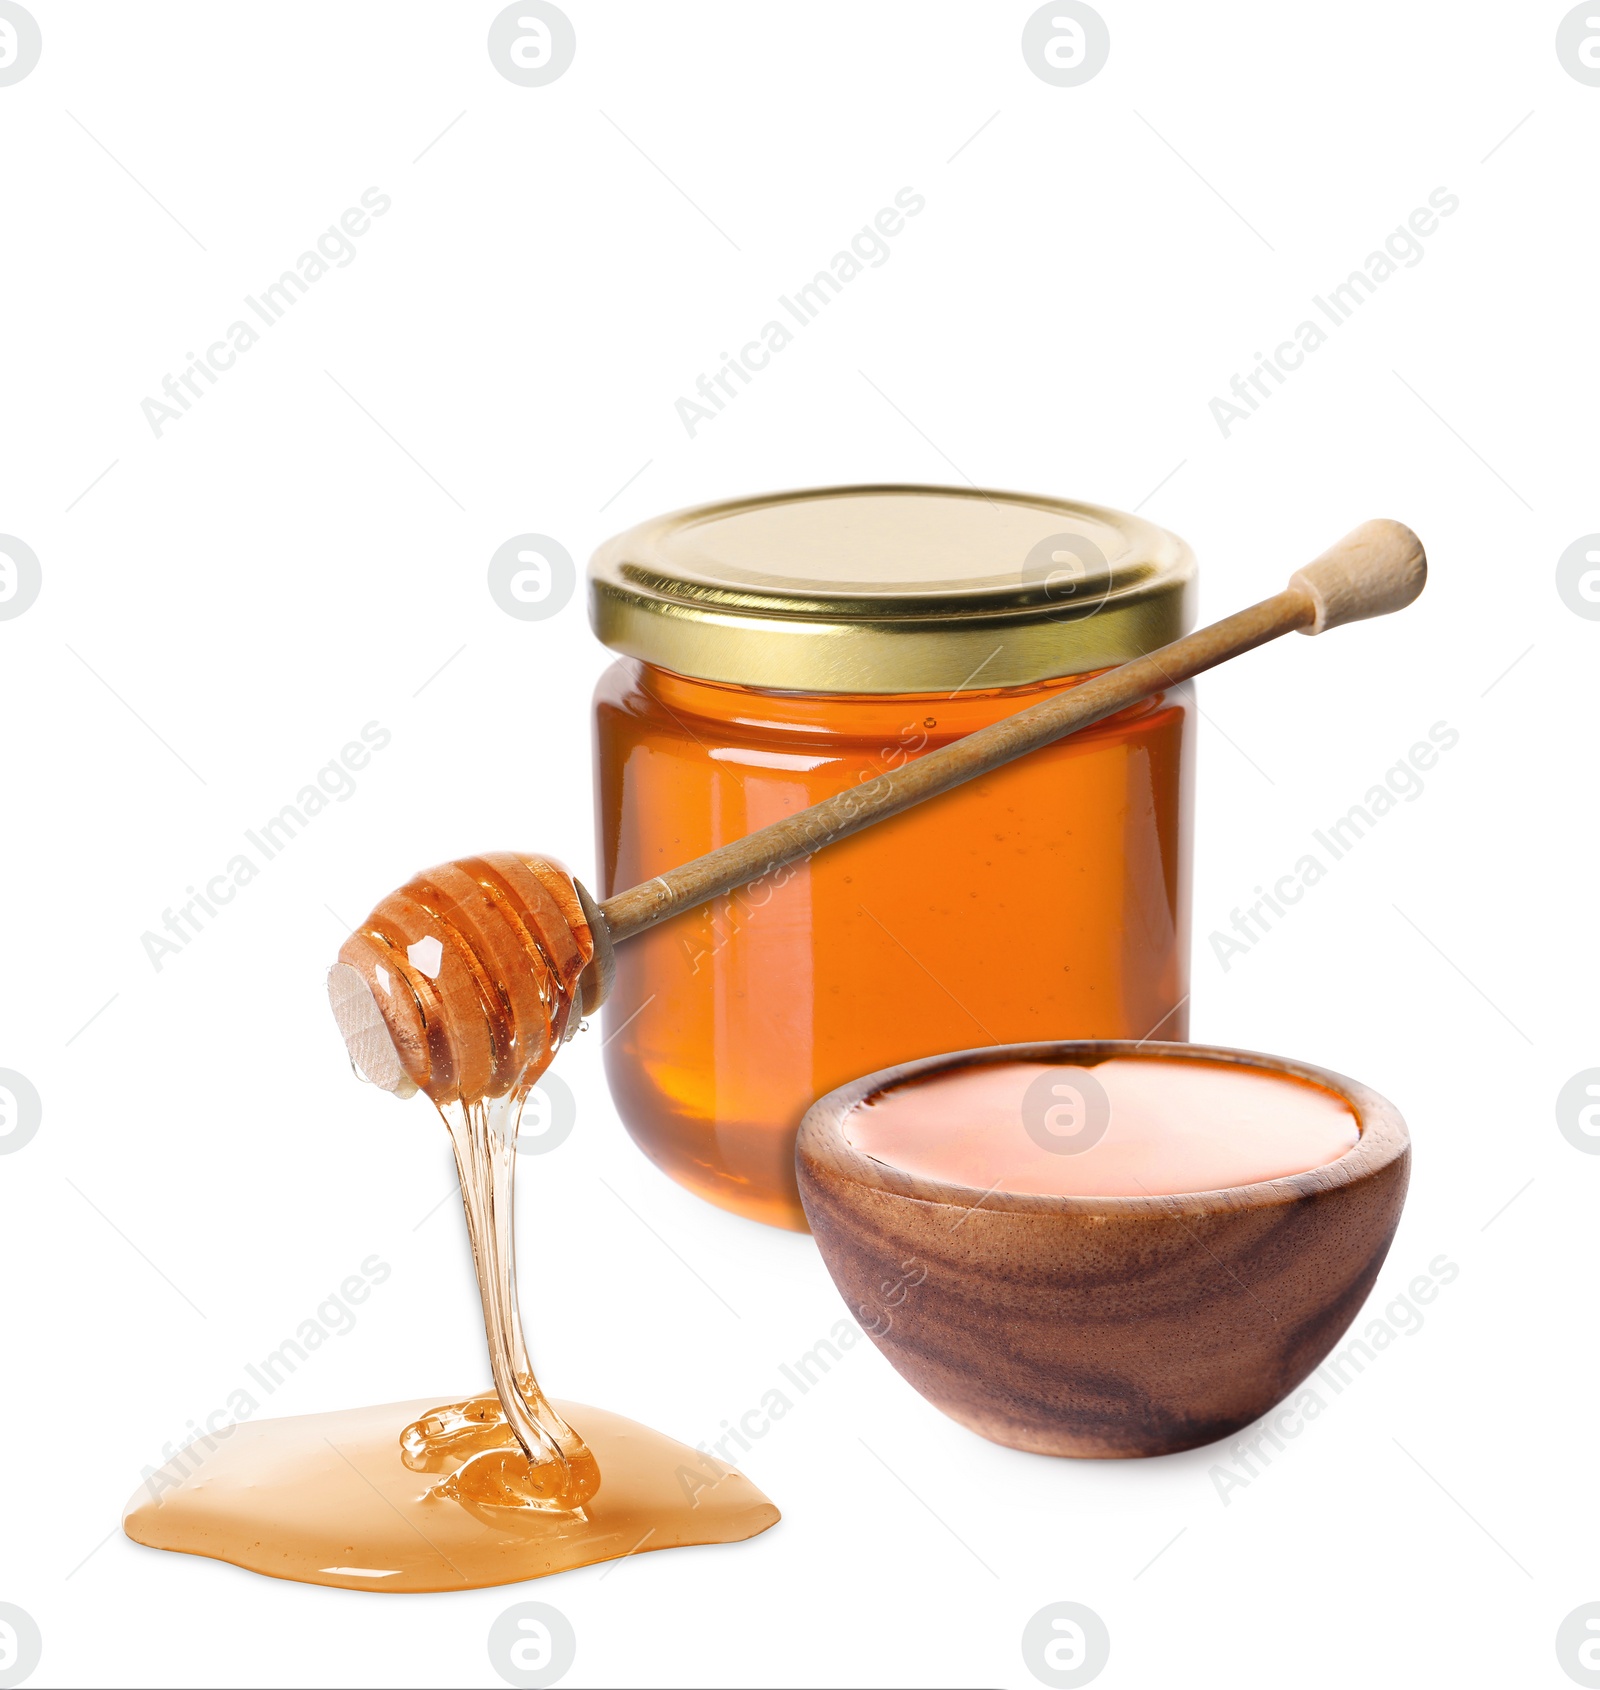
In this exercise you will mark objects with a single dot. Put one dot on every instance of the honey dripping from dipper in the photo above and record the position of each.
(463, 985)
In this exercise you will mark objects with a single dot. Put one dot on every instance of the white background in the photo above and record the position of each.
(305, 552)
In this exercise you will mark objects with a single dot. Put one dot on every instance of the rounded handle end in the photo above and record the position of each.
(1375, 569)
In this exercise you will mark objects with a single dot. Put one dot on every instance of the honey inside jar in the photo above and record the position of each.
(780, 651)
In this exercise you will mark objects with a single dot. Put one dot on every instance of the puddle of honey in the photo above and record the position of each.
(473, 968)
(329, 1499)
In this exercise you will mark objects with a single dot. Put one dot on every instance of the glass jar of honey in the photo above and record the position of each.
(777, 650)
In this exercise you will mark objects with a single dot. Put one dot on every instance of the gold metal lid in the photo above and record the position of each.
(890, 589)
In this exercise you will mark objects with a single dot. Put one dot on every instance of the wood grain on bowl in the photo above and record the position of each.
(1104, 1326)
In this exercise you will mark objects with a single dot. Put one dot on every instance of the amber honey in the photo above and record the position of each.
(1126, 1126)
(782, 649)
(1046, 900)
(460, 985)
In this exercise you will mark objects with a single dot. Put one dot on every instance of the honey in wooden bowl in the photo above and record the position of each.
(1124, 1127)
(1035, 1237)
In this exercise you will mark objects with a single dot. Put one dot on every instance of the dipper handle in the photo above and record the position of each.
(1377, 568)
(1374, 569)
(448, 1030)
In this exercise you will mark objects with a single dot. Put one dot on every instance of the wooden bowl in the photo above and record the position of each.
(1104, 1326)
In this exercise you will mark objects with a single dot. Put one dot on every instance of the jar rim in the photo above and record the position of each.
(890, 588)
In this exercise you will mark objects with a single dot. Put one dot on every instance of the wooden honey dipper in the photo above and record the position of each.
(465, 982)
